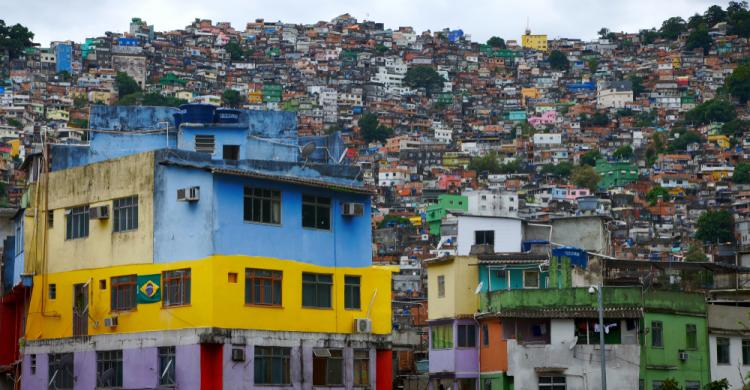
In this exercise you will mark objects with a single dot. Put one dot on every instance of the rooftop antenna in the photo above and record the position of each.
(306, 150)
(528, 29)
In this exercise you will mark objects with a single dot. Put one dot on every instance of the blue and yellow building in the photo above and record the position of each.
(202, 248)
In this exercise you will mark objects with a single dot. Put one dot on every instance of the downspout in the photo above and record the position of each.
(479, 353)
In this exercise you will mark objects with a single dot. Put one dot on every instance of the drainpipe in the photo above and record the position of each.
(478, 345)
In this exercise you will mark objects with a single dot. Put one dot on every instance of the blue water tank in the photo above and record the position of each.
(198, 113)
(227, 115)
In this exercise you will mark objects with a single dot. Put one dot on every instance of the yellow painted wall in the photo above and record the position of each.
(461, 279)
(92, 185)
(214, 301)
(536, 42)
(15, 147)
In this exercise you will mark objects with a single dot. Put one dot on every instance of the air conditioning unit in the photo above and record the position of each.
(362, 325)
(99, 212)
(683, 356)
(110, 322)
(238, 355)
(190, 194)
(353, 209)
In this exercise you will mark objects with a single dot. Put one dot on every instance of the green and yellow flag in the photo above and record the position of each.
(149, 290)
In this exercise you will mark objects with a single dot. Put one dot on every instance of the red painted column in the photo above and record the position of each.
(212, 366)
(384, 369)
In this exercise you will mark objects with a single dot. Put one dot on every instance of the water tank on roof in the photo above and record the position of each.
(227, 115)
(198, 113)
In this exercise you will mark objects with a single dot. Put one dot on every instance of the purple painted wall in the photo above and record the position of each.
(237, 375)
(84, 369)
(39, 379)
(188, 366)
(140, 368)
(464, 360)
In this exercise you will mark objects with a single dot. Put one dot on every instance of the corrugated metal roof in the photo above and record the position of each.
(568, 312)
(294, 180)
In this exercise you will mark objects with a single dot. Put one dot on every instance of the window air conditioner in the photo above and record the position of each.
(362, 325)
(99, 212)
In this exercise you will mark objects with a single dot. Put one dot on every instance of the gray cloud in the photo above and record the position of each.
(77, 19)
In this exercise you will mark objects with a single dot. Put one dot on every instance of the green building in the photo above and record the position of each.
(446, 202)
(616, 174)
(271, 93)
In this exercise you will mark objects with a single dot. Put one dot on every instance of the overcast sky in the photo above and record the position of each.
(77, 19)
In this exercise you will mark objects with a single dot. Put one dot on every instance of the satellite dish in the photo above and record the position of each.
(307, 150)
(479, 288)
(573, 343)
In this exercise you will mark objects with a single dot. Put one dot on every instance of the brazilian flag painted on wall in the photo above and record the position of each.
(149, 290)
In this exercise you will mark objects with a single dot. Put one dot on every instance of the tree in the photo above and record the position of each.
(562, 169)
(558, 60)
(496, 42)
(510, 167)
(738, 83)
(714, 110)
(648, 37)
(699, 38)
(695, 253)
(683, 138)
(585, 176)
(735, 128)
(599, 119)
(741, 174)
(715, 226)
(593, 64)
(637, 82)
(714, 14)
(673, 27)
(80, 101)
(371, 129)
(603, 32)
(426, 77)
(738, 19)
(624, 152)
(125, 84)
(14, 39)
(487, 163)
(670, 384)
(719, 384)
(696, 21)
(656, 193)
(589, 158)
(235, 50)
(157, 99)
(232, 98)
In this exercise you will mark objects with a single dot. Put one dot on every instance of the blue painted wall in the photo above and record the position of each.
(106, 146)
(514, 272)
(63, 58)
(215, 225)
(130, 117)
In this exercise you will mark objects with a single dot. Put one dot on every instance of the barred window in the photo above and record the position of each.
(263, 206)
(123, 292)
(60, 371)
(167, 375)
(126, 213)
(262, 287)
(272, 365)
(176, 287)
(109, 368)
(77, 222)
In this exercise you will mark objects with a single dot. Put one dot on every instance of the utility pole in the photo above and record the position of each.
(601, 336)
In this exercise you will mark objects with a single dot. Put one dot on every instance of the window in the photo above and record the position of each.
(361, 367)
(77, 222)
(167, 376)
(467, 336)
(262, 287)
(232, 277)
(109, 368)
(351, 292)
(33, 364)
(60, 370)
(316, 290)
(656, 334)
(722, 350)
(316, 212)
(176, 287)
(125, 213)
(442, 336)
(692, 385)
(123, 292)
(691, 336)
(745, 352)
(485, 335)
(50, 219)
(272, 365)
(262, 206)
(52, 291)
(204, 144)
(552, 383)
(231, 152)
(441, 286)
(328, 367)
(484, 237)
(530, 279)
(656, 385)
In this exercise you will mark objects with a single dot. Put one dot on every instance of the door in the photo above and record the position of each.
(80, 309)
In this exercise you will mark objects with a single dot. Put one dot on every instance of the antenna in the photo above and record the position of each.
(528, 29)
(343, 155)
(479, 287)
(306, 150)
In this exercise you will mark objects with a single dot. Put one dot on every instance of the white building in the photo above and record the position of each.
(391, 76)
(492, 203)
(443, 133)
(389, 177)
(503, 233)
(728, 343)
(547, 139)
(615, 95)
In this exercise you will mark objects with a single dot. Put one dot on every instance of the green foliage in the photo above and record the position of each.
(371, 129)
(14, 39)
(63, 76)
(79, 123)
(593, 65)
(235, 50)
(699, 38)
(738, 19)
(232, 98)
(394, 220)
(683, 138)
(510, 167)
(656, 193)
(585, 176)
(648, 37)
(738, 83)
(696, 21)
(637, 82)
(132, 99)
(719, 384)
(487, 163)
(562, 169)
(645, 119)
(598, 119)
(14, 122)
(496, 42)
(715, 226)
(558, 60)
(624, 152)
(157, 99)
(714, 110)
(735, 128)
(741, 174)
(673, 27)
(125, 84)
(589, 158)
(80, 101)
(424, 76)
(380, 48)
(714, 14)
